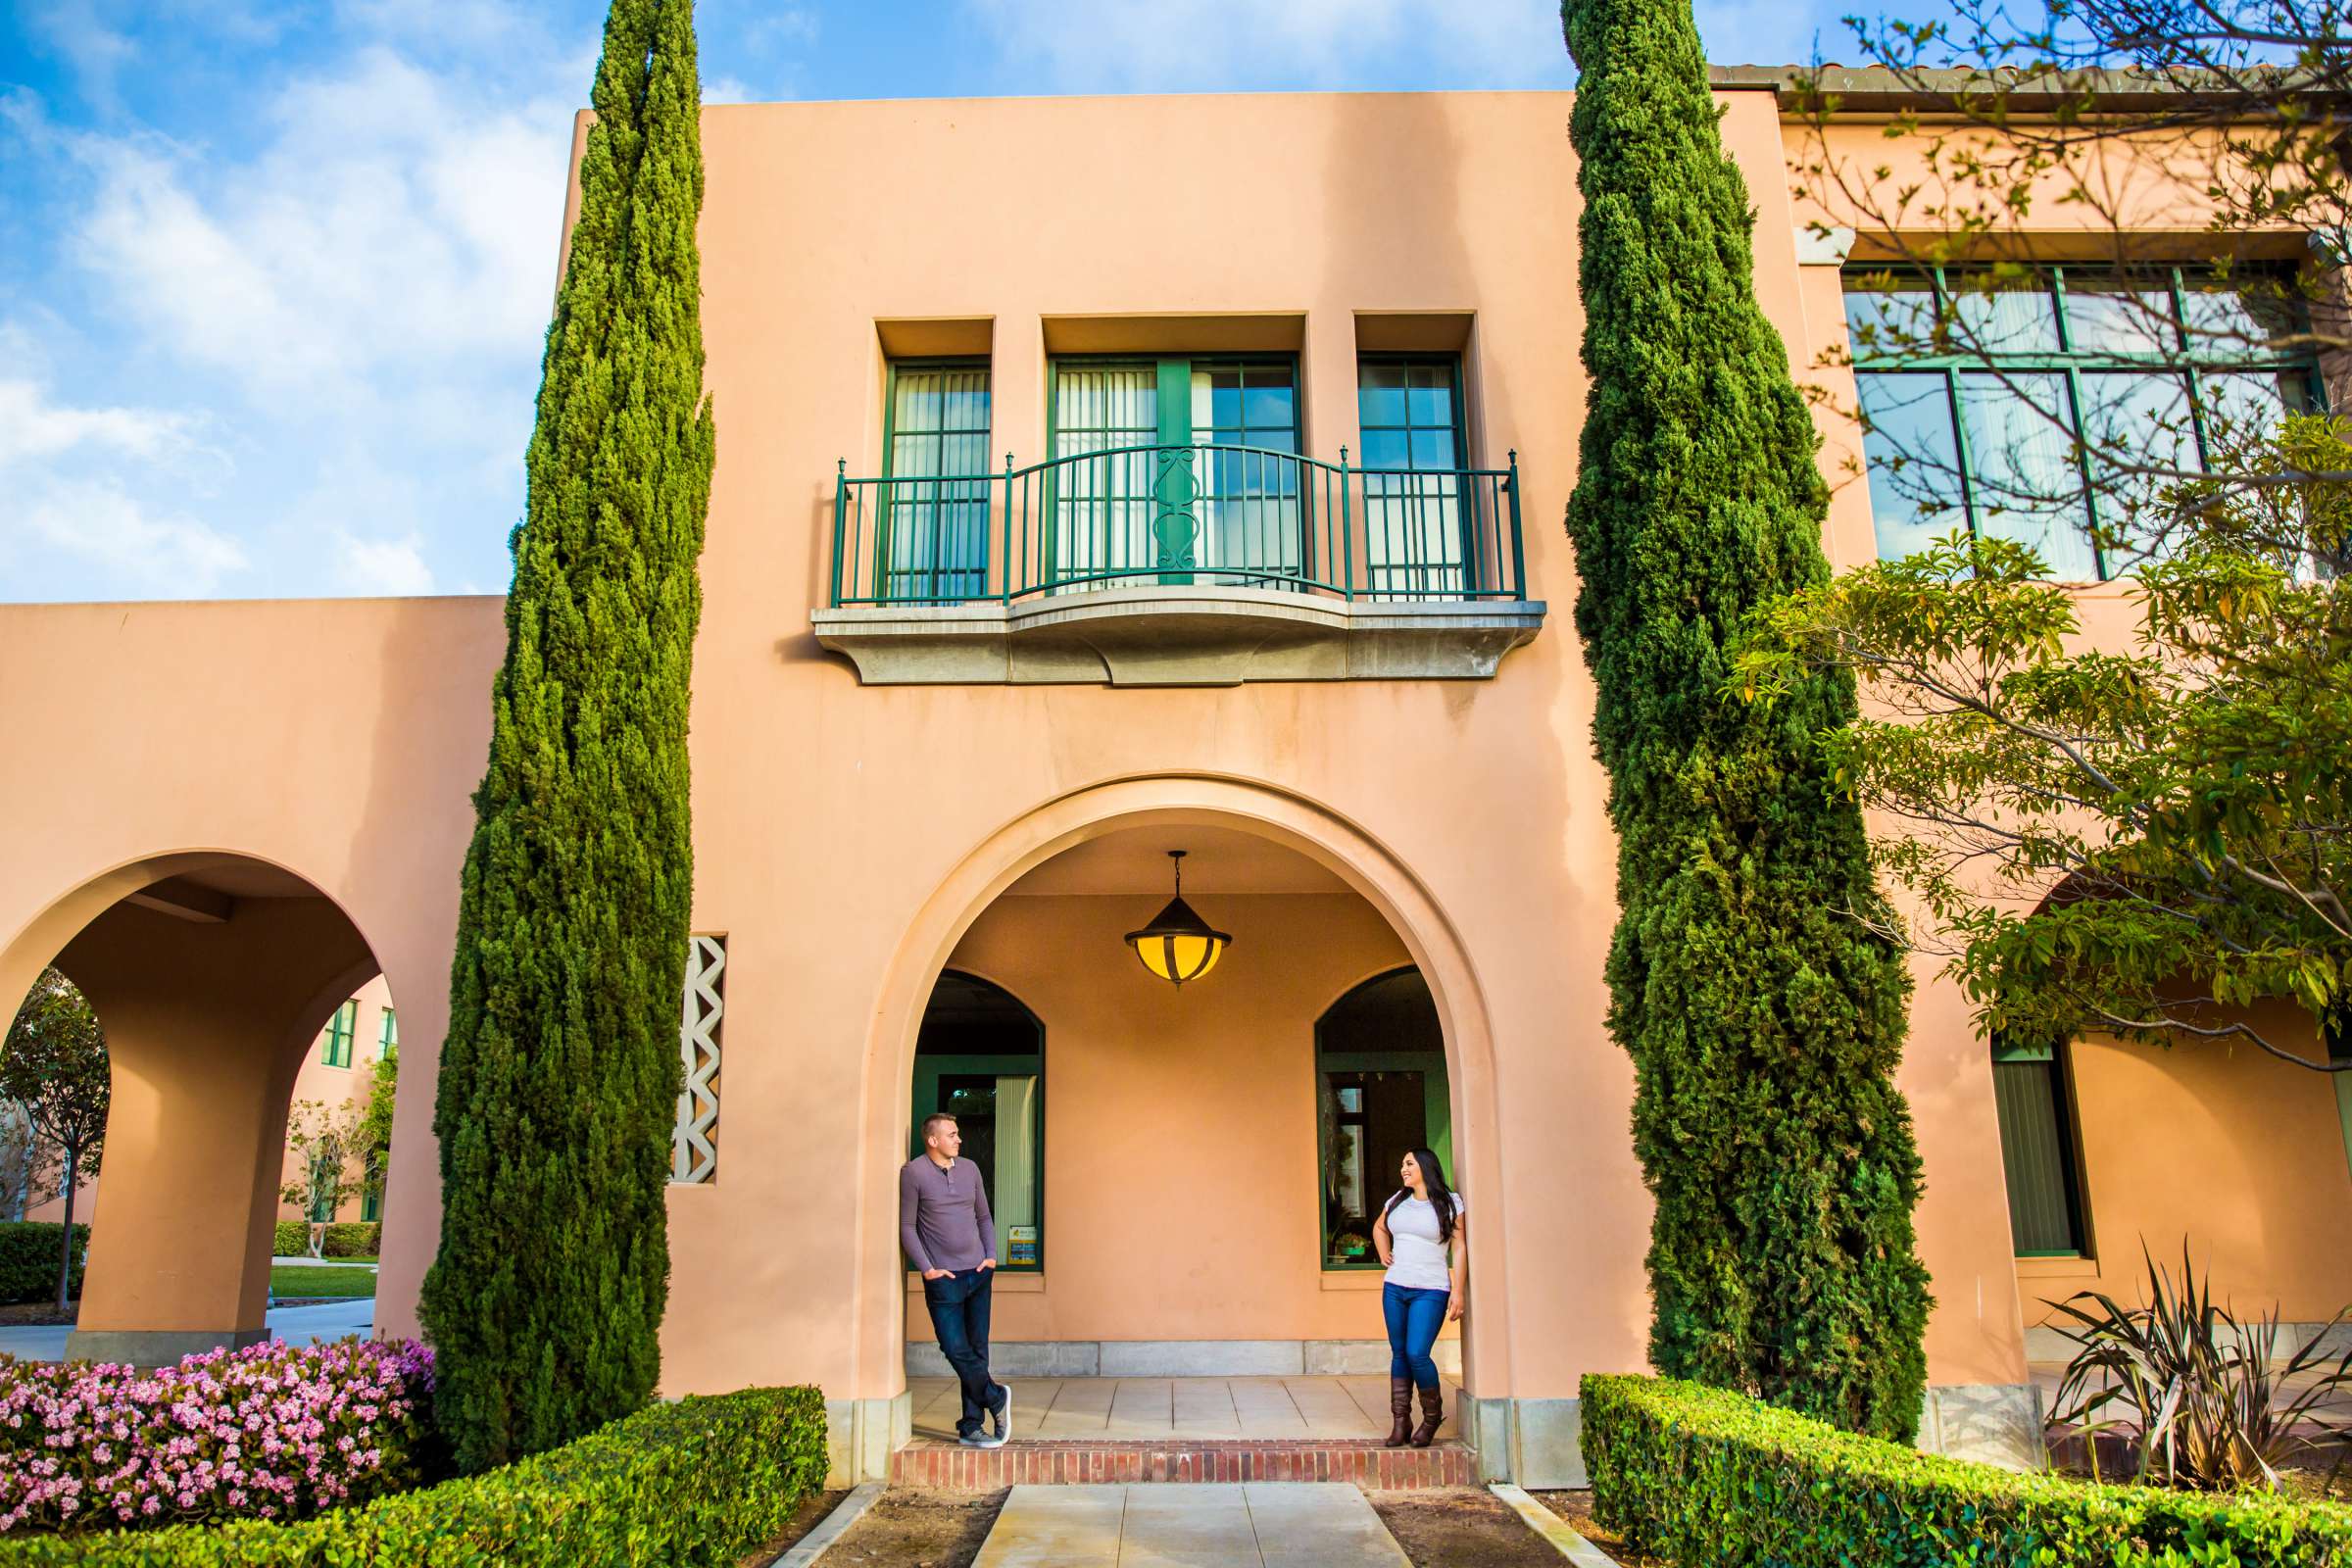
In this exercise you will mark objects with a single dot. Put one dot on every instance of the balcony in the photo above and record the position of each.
(1178, 566)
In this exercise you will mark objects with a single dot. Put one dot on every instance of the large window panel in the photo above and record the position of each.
(2235, 315)
(2026, 483)
(934, 529)
(2139, 437)
(1889, 313)
(1915, 490)
(1249, 505)
(2019, 318)
(2243, 407)
(1416, 532)
(2120, 315)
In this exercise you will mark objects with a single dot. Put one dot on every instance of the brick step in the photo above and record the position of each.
(1033, 1461)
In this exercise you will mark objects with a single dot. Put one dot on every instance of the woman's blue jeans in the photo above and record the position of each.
(1414, 1317)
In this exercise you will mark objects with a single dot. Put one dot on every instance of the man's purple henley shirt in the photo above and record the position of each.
(943, 1215)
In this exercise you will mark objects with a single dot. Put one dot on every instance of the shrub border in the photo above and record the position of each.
(703, 1480)
(1705, 1477)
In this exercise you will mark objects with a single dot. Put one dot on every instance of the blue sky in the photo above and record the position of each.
(274, 272)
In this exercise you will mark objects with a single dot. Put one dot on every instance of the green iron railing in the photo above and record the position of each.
(1207, 514)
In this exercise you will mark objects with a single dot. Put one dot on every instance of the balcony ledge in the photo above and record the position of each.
(1164, 636)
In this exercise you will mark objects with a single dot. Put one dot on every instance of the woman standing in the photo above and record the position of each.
(1413, 1235)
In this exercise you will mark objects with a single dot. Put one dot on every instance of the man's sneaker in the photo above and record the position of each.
(976, 1440)
(1000, 1421)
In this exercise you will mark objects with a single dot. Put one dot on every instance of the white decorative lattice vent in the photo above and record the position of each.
(694, 1146)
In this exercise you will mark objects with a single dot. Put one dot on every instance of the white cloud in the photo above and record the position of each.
(1130, 45)
(95, 52)
(725, 90)
(31, 425)
(383, 566)
(101, 528)
(391, 225)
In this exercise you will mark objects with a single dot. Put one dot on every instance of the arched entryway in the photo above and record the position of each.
(212, 975)
(1153, 1089)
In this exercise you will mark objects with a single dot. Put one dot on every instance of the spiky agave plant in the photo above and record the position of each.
(2197, 1396)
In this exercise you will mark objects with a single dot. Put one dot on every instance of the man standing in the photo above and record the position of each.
(945, 1226)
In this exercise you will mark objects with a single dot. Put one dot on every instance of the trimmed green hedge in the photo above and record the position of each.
(354, 1240)
(699, 1482)
(28, 1259)
(1706, 1478)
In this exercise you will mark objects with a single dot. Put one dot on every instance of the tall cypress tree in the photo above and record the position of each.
(560, 1075)
(1764, 1019)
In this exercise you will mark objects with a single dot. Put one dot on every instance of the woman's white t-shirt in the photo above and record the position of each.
(1419, 1256)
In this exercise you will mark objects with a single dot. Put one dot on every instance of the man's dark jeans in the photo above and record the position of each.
(958, 1306)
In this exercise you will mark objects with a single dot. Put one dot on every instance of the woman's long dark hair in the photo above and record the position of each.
(1440, 1195)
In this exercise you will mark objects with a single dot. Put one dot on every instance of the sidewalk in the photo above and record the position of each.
(299, 1325)
(1295, 1524)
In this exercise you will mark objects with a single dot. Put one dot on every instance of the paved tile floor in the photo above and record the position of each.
(1288, 1525)
(1141, 1409)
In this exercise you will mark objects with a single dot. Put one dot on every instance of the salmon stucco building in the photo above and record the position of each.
(1205, 497)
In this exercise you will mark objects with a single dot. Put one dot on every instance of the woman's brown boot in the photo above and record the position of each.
(1400, 1405)
(1433, 1411)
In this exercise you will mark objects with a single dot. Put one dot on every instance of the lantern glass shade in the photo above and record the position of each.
(1178, 945)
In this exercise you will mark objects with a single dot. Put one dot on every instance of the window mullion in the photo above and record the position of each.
(2079, 424)
(1960, 450)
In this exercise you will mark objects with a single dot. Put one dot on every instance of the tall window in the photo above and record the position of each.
(1175, 511)
(2037, 1149)
(387, 1034)
(334, 1041)
(2021, 413)
(1410, 411)
(934, 543)
(980, 1056)
(1380, 1092)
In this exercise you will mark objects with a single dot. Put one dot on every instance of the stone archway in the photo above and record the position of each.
(212, 972)
(1366, 864)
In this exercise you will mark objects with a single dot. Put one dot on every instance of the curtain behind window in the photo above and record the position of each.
(1103, 506)
(935, 542)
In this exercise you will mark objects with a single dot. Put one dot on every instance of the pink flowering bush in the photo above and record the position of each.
(273, 1431)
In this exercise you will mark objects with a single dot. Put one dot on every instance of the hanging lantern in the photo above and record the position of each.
(1178, 945)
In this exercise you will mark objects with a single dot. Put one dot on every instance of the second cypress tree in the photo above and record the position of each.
(560, 1075)
(1764, 1019)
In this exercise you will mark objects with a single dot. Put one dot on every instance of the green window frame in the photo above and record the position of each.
(932, 543)
(1169, 519)
(1354, 1165)
(2084, 364)
(371, 1207)
(2039, 1151)
(336, 1039)
(1420, 536)
(387, 1034)
(996, 1088)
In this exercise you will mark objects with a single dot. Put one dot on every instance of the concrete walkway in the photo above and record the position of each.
(298, 1325)
(1294, 1525)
